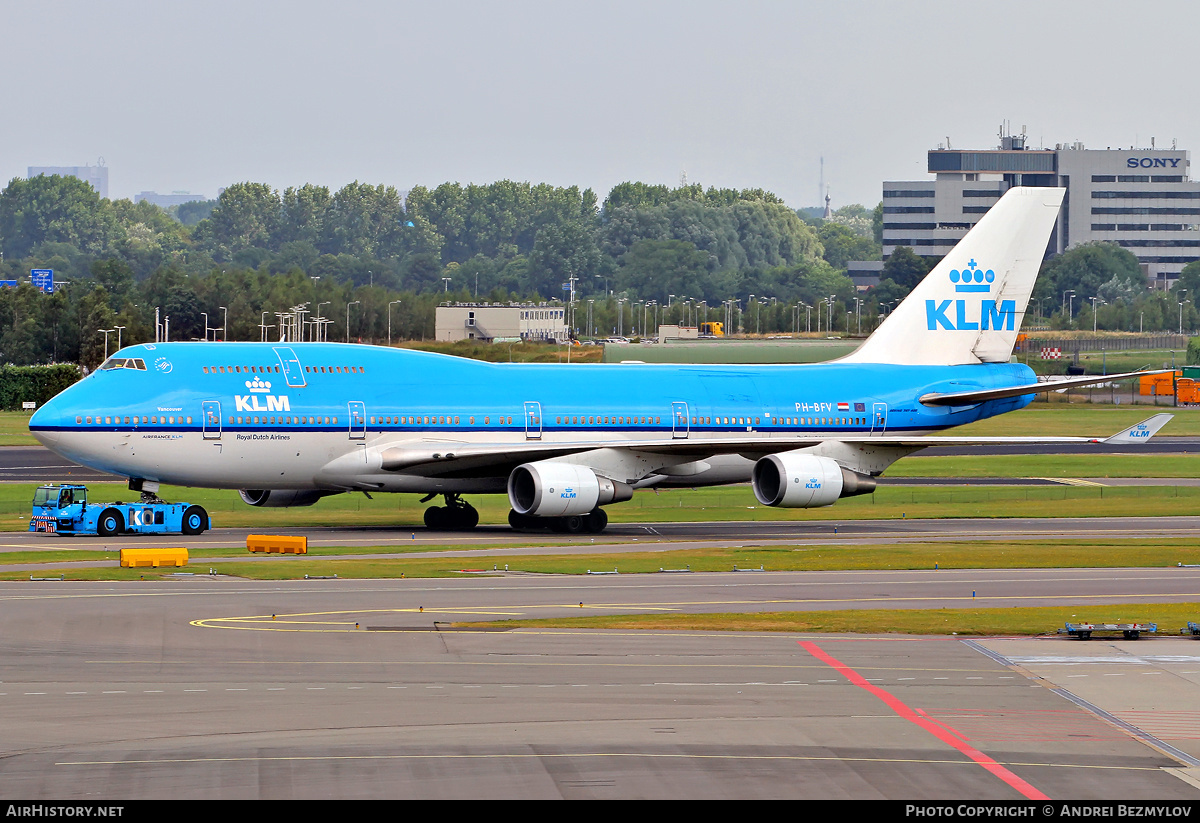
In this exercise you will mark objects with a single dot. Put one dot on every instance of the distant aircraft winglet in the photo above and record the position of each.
(1139, 432)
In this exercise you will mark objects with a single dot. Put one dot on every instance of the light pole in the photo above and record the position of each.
(322, 327)
(118, 330)
(1181, 302)
(224, 324)
(1070, 306)
(1094, 299)
(106, 333)
(446, 280)
(205, 325)
(263, 327)
(348, 305)
(394, 302)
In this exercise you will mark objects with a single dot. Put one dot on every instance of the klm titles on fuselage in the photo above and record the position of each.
(250, 403)
(966, 314)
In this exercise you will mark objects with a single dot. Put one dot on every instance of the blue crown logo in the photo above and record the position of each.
(972, 278)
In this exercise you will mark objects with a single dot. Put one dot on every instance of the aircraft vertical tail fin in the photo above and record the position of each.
(970, 307)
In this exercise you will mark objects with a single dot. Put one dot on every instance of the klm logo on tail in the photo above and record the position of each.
(967, 314)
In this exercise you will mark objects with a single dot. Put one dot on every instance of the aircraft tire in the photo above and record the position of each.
(468, 518)
(596, 521)
(523, 522)
(574, 524)
(195, 520)
(435, 518)
(110, 524)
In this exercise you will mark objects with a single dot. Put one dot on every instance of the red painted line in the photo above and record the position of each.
(902, 709)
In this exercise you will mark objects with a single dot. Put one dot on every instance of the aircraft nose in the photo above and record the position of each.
(46, 423)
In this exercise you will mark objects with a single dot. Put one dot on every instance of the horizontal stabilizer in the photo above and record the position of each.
(967, 398)
(1141, 432)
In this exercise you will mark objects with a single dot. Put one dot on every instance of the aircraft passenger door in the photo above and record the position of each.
(680, 423)
(358, 420)
(210, 413)
(293, 372)
(878, 418)
(533, 420)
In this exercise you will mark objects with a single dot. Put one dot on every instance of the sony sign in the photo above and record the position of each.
(1152, 162)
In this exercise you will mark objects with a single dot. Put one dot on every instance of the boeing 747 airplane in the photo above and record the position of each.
(289, 423)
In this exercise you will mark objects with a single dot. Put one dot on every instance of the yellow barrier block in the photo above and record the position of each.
(276, 544)
(131, 558)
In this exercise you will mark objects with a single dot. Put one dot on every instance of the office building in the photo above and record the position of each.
(94, 176)
(1141, 199)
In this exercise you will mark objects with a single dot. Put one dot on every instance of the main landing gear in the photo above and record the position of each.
(591, 523)
(457, 515)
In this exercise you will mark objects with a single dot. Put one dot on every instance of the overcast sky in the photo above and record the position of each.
(197, 95)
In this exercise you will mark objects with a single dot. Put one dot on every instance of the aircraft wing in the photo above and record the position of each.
(967, 398)
(429, 457)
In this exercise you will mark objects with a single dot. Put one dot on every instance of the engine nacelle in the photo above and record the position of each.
(798, 480)
(549, 489)
(281, 498)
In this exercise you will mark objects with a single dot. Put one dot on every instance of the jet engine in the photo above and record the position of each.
(798, 480)
(549, 489)
(281, 498)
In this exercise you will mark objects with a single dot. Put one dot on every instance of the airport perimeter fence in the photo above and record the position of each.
(34, 384)
(1071, 345)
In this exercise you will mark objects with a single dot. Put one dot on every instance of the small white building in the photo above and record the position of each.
(674, 331)
(490, 322)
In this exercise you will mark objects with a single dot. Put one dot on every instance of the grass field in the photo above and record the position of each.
(732, 503)
(983, 554)
(1170, 618)
(1059, 419)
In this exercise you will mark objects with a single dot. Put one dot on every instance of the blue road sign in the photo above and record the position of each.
(42, 279)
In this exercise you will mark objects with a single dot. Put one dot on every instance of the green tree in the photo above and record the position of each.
(658, 268)
(247, 215)
(1103, 270)
(905, 268)
(54, 209)
(1189, 281)
(842, 244)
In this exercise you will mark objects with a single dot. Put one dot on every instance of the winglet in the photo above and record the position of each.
(1140, 432)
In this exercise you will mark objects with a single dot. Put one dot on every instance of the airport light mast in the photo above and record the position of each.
(393, 303)
(358, 302)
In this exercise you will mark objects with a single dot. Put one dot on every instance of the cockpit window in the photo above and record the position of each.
(124, 363)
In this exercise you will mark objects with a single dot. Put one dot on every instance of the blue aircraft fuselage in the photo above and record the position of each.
(263, 415)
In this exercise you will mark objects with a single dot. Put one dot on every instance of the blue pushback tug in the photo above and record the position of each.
(64, 510)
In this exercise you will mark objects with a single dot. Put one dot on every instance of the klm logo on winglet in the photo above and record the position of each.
(967, 315)
(1140, 430)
